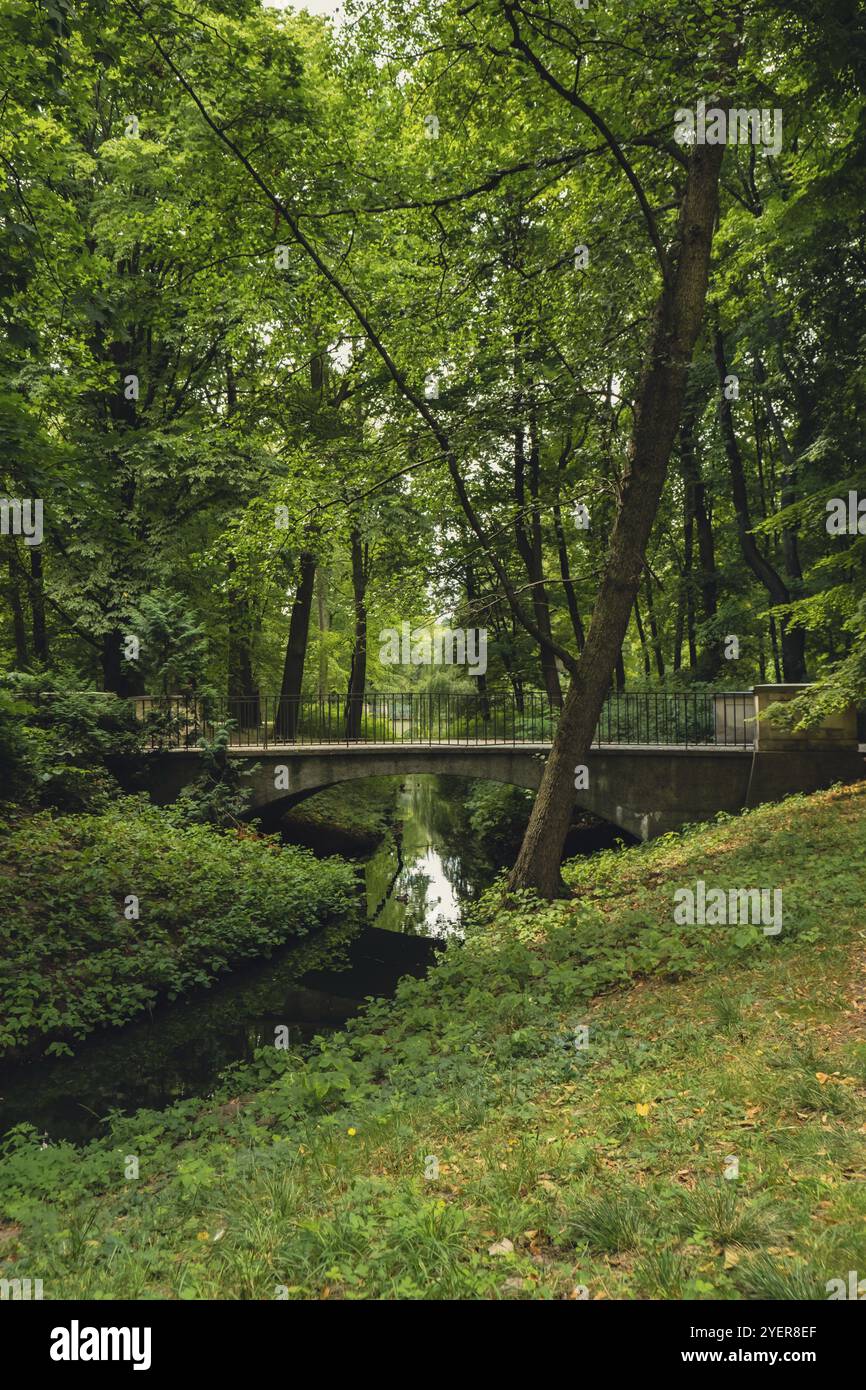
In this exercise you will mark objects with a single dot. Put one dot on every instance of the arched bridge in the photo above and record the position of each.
(660, 760)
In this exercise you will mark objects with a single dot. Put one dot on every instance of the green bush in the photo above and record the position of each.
(73, 962)
(56, 741)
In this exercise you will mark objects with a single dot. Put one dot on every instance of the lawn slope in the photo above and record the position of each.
(455, 1143)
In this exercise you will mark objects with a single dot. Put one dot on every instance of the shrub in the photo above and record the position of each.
(56, 741)
(74, 961)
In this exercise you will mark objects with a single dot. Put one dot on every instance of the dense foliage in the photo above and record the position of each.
(105, 914)
(264, 491)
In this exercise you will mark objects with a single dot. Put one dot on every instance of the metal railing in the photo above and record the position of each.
(637, 718)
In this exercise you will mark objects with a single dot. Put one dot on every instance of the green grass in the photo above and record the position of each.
(453, 1143)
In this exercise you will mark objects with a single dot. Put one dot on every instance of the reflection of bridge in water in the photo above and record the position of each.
(659, 760)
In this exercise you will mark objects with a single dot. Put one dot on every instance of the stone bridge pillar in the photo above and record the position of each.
(804, 760)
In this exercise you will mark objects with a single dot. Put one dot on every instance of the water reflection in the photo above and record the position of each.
(421, 877)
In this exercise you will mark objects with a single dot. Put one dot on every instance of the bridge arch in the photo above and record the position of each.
(644, 791)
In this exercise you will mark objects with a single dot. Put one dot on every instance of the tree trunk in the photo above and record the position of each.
(688, 592)
(706, 665)
(655, 640)
(19, 627)
(480, 681)
(288, 711)
(642, 639)
(793, 640)
(679, 625)
(515, 678)
(790, 538)
(37, 606)
(241, 685)
(324, 619)
(529, 544)
(113, 676)
(657, 414)
(774, 643)
(562, 552)
(358, 671)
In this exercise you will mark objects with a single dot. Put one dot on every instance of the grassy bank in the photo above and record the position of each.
(455, 1143)
(105, 913)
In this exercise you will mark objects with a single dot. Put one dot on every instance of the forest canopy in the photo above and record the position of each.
(440, 315)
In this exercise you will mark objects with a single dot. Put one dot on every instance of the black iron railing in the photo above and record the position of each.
(638, 718)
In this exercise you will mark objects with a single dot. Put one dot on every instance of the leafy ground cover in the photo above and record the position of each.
(454, 1143)
(105, 913)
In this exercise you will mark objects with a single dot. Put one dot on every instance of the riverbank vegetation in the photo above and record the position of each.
(457, 1143)
(356, 815)
(82, 953)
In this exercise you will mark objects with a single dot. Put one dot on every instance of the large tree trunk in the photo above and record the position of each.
(658, 408)
(358, 670)
(288, 711)
(793, 640)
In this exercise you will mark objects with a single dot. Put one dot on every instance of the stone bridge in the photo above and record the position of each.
(646, 790)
